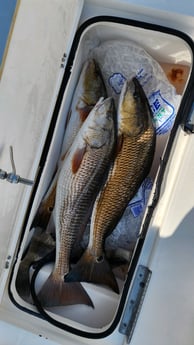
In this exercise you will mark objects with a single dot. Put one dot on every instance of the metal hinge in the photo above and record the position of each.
(12, 177)
(135, 301)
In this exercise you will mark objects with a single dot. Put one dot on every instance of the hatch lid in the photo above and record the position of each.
(41, 36)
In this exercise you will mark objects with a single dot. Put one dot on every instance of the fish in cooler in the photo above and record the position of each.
(79, 182)
(89, 89)
(134, 156)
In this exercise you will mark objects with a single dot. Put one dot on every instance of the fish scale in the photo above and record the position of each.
(85, 165)
(79, 195)
(135, 152)
(109, 213)
(89, 89)
(81, 189)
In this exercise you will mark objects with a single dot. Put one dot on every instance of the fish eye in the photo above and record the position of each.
(99, 259)
(135, 95)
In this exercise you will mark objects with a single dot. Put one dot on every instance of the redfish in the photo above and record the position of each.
(79, 182)
(135, 152)
(89, 89)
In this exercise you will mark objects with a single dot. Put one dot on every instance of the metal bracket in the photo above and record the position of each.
(188, 125)
(12, 177)
(189, 128)
(135, 301)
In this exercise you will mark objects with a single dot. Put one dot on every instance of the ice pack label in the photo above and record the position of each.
(163, 112)
(139, 201)
(116, 81)
(121, 59)
(143, 77)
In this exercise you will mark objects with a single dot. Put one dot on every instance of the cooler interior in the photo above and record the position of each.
(174, 55)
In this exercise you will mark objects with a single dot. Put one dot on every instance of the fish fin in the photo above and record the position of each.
(42, 215)
(56, 292)
(68, 119)
(50, 229)
(119, 143)
(63, 157)
(94, 270)
(41, 218)
(23, 282)
(84, 112)
(41, 244)
(77, 159)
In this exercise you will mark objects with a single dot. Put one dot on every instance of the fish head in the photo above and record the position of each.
(91, 87)
(134, 113)
(102, 128)
(93, 83)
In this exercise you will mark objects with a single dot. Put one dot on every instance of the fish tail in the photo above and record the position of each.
(23, 282)
(56, 292)
(92, 269)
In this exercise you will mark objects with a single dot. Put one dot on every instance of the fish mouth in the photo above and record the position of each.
(140, 96)
(138, 92)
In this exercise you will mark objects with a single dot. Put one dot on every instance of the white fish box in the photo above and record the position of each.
(115, 318)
